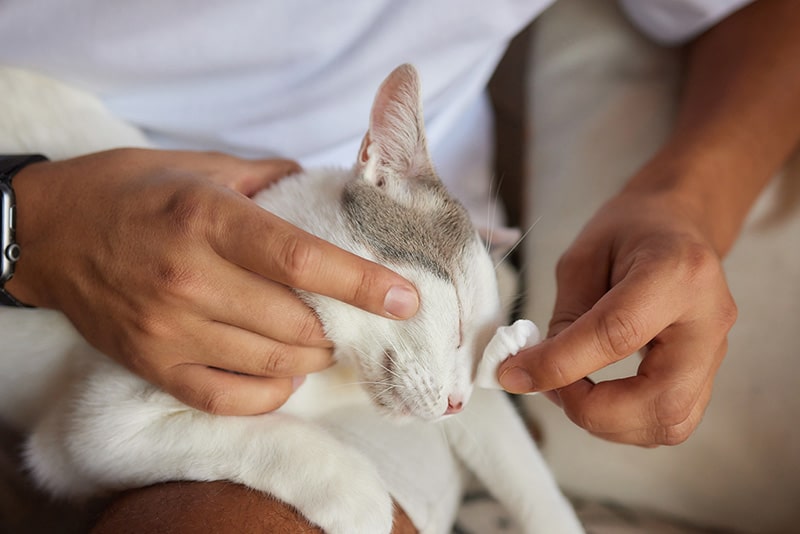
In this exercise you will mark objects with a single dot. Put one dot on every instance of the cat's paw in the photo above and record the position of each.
(507, 341)
(349, 498)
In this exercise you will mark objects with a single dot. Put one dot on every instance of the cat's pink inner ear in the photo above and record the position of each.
(368, 159)
(499, 240)
(396, 143)
(363, 154)
(397, 103)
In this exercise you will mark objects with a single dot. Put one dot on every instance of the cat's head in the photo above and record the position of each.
(397, 208)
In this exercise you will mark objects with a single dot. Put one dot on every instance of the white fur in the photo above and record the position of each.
(95, 427)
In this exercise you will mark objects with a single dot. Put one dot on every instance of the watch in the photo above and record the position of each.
(9, 249)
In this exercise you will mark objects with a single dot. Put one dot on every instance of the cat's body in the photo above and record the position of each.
(96, 427)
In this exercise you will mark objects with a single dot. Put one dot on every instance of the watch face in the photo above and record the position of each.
(9, 250)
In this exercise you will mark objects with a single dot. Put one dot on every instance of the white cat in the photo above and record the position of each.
(95, 427)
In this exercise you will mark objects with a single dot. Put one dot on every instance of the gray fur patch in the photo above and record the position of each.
(435, 240)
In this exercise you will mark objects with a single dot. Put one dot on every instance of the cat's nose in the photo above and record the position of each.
(454, 405)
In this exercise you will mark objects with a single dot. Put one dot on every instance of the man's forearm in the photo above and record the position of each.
(739, 117)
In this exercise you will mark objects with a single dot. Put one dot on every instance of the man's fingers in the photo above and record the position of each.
(624, 320)
(660, 401)
(253, 303)
(222, 393)
(264, 173)
(233, 349)
(242, 175)
(268, 245)
(662, 393)
(665, 435)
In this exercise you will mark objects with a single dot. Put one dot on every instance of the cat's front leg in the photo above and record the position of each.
(496, 446)
(331, 484)
(119, 432)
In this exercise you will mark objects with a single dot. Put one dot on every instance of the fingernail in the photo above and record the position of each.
(297, 381)
(401, 302)
(516, 380)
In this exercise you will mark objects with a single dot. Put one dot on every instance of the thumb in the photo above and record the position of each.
(577, 292)
(298, 259)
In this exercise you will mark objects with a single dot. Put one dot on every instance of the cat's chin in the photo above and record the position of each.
(405, 408)
(403, 416)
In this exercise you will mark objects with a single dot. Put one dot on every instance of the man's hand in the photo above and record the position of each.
(641, 275)
(162, 262)
(645, 272)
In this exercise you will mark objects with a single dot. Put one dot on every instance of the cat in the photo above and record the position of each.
(95, 427)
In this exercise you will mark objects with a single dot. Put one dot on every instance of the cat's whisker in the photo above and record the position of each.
(384, 391)
(389, 371)
(517, 243)
(391, 358)
(392, 370)
(418, 357)
(367, 356)
(489, 225)
(363, 383)
(494, 197)
(388, 388)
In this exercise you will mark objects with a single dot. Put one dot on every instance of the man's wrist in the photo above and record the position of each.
(738, 119)
(10, 250)
(704, 185)
(36, 201)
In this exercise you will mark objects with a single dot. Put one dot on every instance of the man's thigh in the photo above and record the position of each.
(220, 507)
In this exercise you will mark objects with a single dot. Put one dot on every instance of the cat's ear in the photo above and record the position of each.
(499, 241)
(395, 145)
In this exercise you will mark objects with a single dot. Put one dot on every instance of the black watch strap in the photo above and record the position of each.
(7, 299)
(10, 165)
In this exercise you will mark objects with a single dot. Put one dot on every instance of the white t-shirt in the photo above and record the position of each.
(295, 79)
(675, 21)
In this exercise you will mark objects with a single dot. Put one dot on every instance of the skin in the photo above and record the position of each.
(191, 279)
(645, 273)
(221, 507)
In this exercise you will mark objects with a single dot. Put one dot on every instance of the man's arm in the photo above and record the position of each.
(645, 272)
(161, 261)
(739, 120)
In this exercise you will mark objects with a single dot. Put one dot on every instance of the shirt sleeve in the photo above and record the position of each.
(673, 22)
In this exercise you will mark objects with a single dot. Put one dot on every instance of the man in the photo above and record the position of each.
(630, 280)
